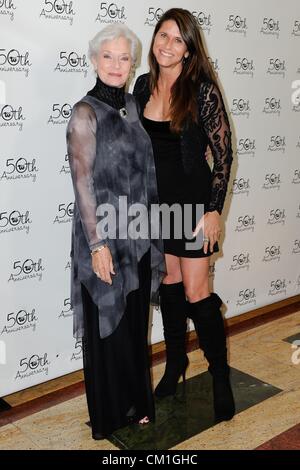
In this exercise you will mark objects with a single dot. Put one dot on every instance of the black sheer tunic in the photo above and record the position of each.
(111, 161)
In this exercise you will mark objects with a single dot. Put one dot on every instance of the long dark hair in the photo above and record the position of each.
(195, 69)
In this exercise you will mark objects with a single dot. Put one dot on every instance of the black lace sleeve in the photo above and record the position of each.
(216, 125)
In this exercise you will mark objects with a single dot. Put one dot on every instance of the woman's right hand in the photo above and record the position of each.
(103, 265)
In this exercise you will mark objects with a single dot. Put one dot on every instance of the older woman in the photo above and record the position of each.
(113, 271)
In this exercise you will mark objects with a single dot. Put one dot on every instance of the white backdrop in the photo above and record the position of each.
(254, 47)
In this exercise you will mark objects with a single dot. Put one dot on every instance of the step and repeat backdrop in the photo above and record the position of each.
(44, 69)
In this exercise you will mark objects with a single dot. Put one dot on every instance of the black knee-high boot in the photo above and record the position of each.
(173, 307)
(209, 326)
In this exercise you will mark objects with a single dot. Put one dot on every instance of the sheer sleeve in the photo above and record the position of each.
(216, 125)
(81, 143)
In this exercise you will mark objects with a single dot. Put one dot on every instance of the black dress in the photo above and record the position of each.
(176, 187)
(183, 174)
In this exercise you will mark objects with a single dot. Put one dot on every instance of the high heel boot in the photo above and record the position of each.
(209, 326)
(173, 307)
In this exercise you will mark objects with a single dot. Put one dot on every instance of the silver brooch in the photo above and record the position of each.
(123, 112)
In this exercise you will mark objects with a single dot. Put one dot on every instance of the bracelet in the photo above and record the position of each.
(99, 248)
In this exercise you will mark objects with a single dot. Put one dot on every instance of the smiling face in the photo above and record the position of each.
(169, 48)
(113, 62)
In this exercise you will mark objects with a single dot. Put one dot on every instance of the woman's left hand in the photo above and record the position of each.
(210, 223)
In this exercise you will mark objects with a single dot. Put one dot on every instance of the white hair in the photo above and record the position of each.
(111, 32)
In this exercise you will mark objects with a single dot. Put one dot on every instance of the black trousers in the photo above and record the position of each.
(116, 368)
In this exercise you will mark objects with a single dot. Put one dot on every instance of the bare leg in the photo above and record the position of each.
(195, 273)
(173, 270)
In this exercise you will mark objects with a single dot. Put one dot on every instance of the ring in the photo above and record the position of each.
(206, 240)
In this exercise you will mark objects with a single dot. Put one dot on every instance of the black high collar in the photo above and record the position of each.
(113, 96)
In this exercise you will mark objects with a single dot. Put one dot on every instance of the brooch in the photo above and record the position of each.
(123, 112)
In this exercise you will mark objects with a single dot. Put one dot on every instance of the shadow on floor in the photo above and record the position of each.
(190, 412)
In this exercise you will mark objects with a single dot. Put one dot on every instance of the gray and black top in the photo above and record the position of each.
(110, 156)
